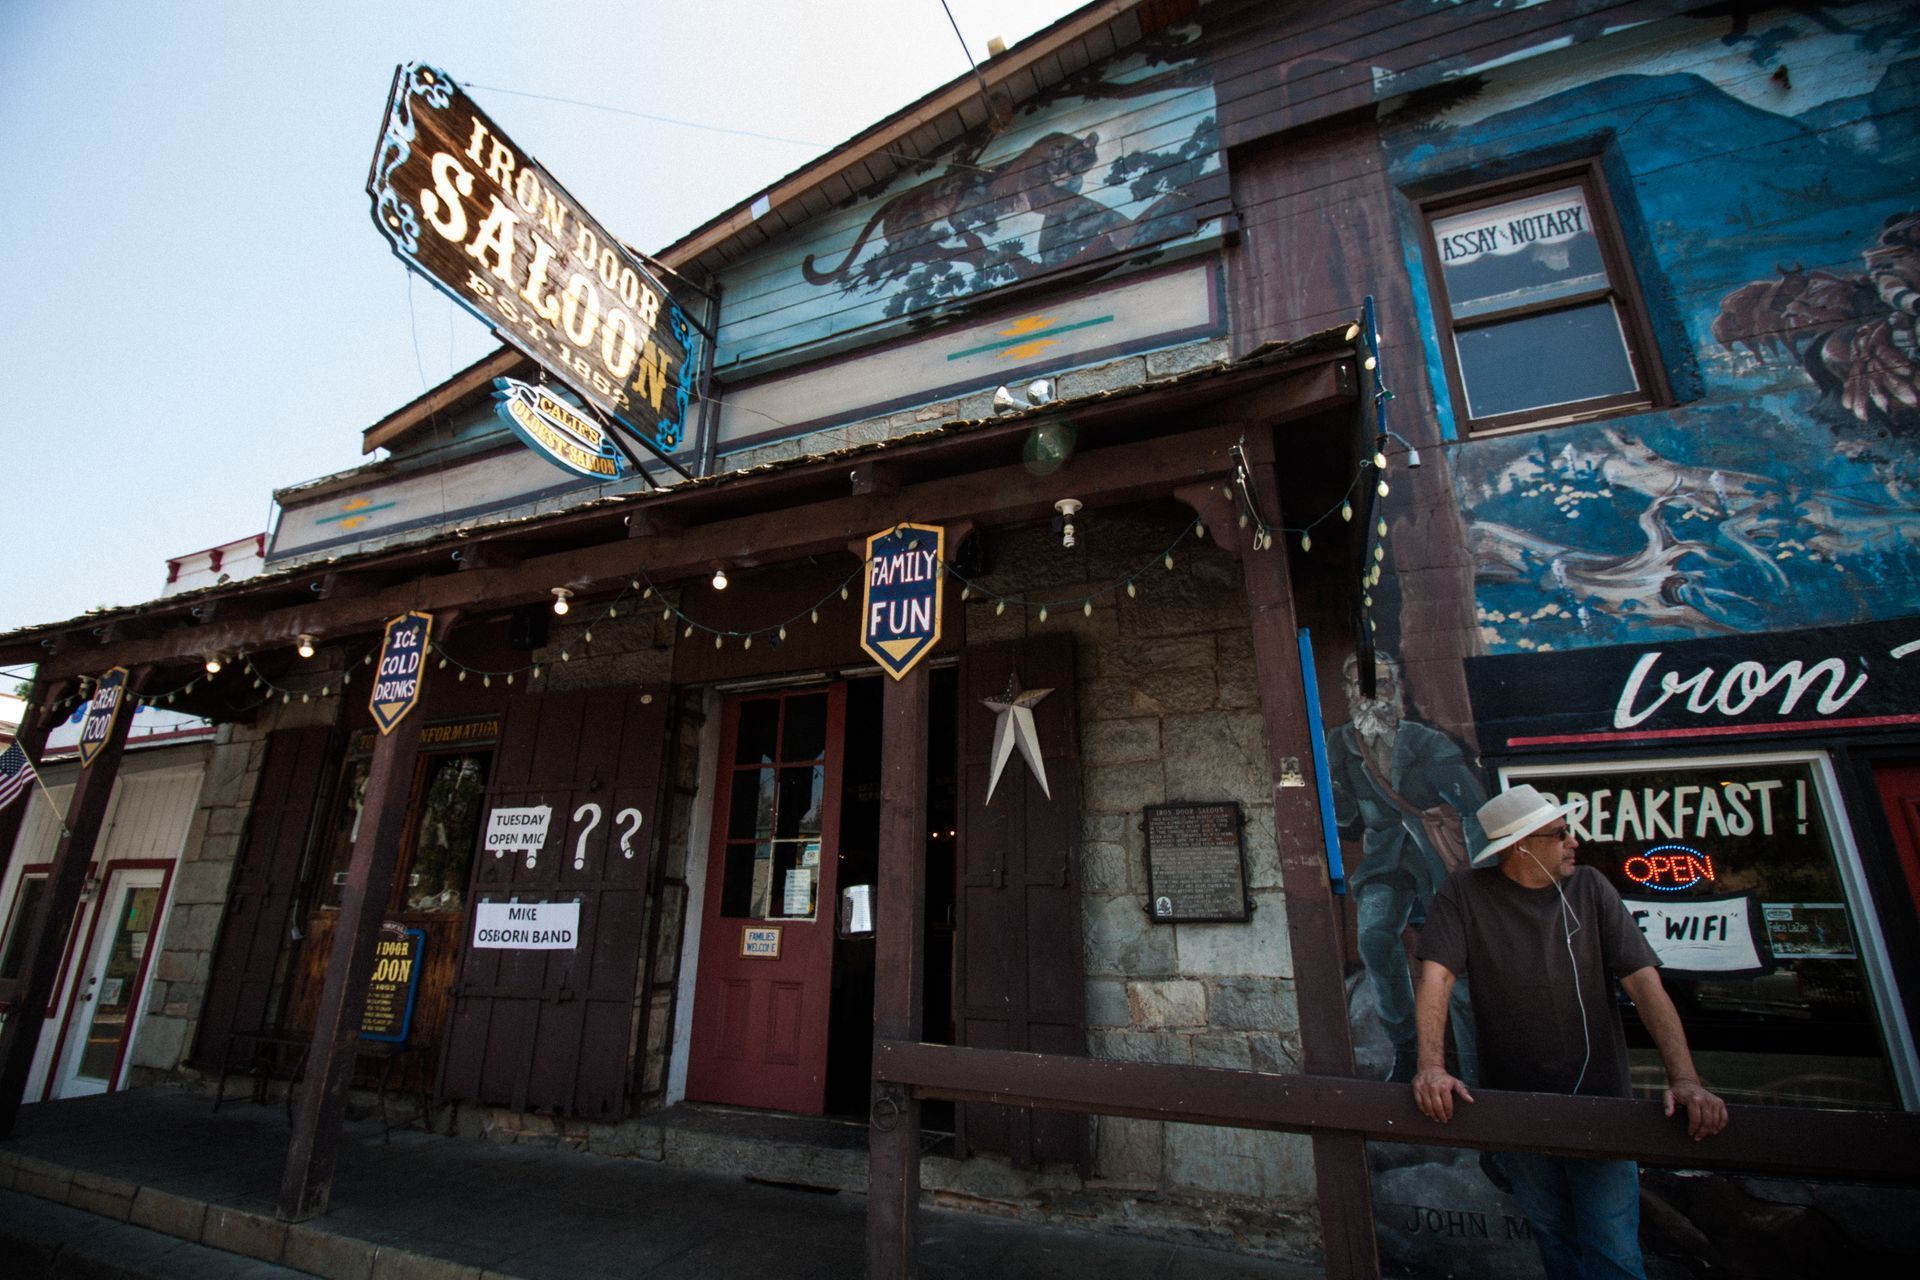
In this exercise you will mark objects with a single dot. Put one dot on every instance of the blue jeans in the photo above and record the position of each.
(1585, 1214)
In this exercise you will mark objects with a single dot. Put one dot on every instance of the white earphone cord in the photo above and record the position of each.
(1569, 925)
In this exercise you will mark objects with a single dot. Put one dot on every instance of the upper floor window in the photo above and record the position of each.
(1539, 316)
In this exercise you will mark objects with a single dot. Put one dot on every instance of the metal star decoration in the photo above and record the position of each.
(1015, 728)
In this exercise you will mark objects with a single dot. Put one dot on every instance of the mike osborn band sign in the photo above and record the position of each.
(1825, 679)
(485, 222)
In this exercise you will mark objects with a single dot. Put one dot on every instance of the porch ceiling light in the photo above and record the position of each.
(719, 577)
(213, 664)
(305, 648)
(1011, 399)
(1068, 509)
(560, 597)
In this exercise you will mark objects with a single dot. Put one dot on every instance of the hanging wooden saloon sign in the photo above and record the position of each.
(465, 207)
(900, 604)
(402, 666)
(104, 707)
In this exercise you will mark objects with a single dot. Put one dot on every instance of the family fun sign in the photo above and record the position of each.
(900, 604)
(466, 208)
(397, 678)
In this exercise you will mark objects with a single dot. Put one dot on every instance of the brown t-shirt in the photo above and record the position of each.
(1512, 945)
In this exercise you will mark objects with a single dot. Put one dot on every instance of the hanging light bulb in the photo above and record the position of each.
(783, 631)
(1086, 607)
(1346, 511)
(843, 591)
(748, 644)
(213, 664)
(1199, 531)
(1169, 560)
(305, 647)
(1382, 528)
(509, 677)
(1381, 488)
(586, 637)
(666, 614)
(999, 607)
(565, 656)
(463, 675)
(1043, 613)
(719, 577)
(612, 612)
(560, 597)
(1370, 363)
(1306, 540)
(1132, 591)
(326, 691)
(1379, 459)
(815, 615)
(717, 640)
(535, 674)
(443, 664)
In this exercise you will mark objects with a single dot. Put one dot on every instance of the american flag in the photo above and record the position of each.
(15, 774)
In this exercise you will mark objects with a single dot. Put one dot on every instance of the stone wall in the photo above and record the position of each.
(1169, 711)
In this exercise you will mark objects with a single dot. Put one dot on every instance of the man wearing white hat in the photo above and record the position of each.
(1543, 940)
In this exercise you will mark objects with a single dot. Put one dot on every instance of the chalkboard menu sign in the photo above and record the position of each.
(395, 983)
(1196, 863)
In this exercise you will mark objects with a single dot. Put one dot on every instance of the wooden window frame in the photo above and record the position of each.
(1622, 291)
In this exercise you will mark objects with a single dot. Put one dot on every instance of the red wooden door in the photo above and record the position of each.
(1019, 972)
(552, 1030)
(762, 996)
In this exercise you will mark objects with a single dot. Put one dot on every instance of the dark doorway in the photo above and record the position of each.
(850, 1034)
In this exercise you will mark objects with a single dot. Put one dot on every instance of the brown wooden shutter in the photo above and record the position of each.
(279, 826)
(1019, 974)
(551, 1031)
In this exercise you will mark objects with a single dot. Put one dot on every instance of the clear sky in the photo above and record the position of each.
(198, 308)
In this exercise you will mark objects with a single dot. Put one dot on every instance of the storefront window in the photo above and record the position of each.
(434, 868)
(773, 810)
(436, 880)
(1731, 869)
(25, 902)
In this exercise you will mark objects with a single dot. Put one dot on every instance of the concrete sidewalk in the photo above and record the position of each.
(432, 1208)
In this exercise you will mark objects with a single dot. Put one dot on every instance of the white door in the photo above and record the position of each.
(106, 1002)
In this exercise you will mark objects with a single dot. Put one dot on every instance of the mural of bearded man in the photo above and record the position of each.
(1413, 793)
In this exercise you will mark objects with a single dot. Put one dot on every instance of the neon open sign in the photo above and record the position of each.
(1668, 867)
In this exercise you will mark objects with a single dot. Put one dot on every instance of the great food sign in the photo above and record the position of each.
(465, 207)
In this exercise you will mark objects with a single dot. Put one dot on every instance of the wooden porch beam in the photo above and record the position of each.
(893, 1137)
(47, 931)
(1119, 473)
(306, 1185)
(1796, 1140)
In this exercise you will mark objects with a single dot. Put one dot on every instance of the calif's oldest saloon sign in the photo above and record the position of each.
(482, 219)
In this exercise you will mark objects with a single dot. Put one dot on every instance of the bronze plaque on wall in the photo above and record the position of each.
(465, 207)
(1196, 863)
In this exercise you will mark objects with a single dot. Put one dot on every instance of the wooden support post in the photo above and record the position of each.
(47, 931)
(307, 1183)
(1339, 1160)
(893, 1140)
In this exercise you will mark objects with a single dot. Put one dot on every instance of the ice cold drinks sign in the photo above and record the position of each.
(396, 681)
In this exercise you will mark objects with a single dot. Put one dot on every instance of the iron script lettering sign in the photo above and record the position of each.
(97, 726)
(900, 604)
(396, 681)
(465, 207)
(557, 431)
(1860, 678)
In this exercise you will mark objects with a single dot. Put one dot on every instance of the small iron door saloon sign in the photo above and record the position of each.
(465, 207)
(97, 726)
(397, 678)
(900, 603)
(1196, 864)
(394, 987)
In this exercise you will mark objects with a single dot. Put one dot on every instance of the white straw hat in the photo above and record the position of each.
(1512, 816)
